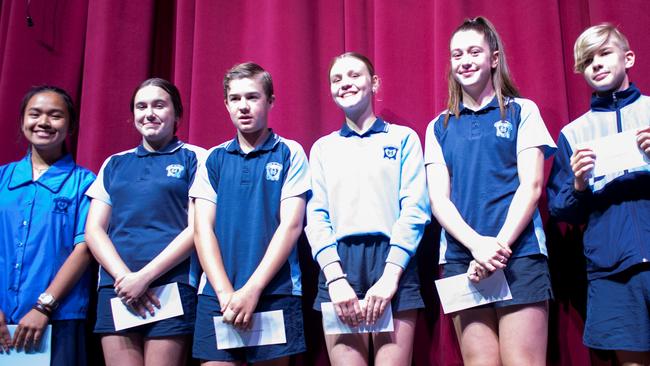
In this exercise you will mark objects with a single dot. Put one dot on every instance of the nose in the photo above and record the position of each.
(149, 113)
(243, 104)
(465, 60)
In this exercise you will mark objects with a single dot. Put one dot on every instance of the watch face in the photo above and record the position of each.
(46, 299)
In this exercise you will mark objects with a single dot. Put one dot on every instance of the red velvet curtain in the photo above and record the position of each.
(100, 50)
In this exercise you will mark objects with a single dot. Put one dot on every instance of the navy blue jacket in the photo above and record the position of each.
(615, 207)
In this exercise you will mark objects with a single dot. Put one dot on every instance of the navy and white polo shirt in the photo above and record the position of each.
(148, 194)
(480, 151)
(247, 189)
(367, 184)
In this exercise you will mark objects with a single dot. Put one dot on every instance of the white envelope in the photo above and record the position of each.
(267, 328)
(459, 293)
(333, 325)
(617, 152)
(37, 357)
(170, 306)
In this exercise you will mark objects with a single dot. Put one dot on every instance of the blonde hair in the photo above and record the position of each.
(501, 80)
(592, 39)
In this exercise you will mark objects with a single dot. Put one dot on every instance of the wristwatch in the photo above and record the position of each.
(48, 300)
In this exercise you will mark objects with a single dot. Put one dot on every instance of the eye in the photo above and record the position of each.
(355, 75)
(56, 116)
(475, 52)
(140, 106)
(159, 105)
(456, 55)
(33, 115)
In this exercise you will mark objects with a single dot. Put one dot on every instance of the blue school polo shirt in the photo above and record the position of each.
(40, 223)
(247, 189)
(480, 151)
(148, 195)
(368, 184)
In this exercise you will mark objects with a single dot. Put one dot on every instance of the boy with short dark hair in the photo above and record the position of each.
(250, 203)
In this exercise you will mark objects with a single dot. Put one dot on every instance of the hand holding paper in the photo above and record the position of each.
(333, 325)
(170, 306)
(459, 293)
(266, 328)
(617, 152)
(35, 357)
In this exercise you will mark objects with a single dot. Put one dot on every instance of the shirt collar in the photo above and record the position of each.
(171, 147)
(494, 103)
(613, 101)
(52, 179)
(378, 126)
(268, 144)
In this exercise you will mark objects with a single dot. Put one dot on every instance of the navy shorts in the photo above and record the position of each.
(618, 311)
(180, 325)
(528, 278)
(363, 259)
(68, 343)
(205, 341)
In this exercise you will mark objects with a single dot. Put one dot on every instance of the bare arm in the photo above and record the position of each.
(98, 241)
(530, 168)
(244, 300)
(207, 248)
(30, 327)
(485, 250)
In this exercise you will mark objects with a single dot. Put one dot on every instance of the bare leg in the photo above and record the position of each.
(523, 334)
(477, 332)
(396, 348)
(170, 351)
(123, 350)
(347, 349)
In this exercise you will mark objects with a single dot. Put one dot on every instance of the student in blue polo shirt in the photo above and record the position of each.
(614, 207)
(485, 171)
(43, 257)
(140, 231)
(250, 203)
(366, 218)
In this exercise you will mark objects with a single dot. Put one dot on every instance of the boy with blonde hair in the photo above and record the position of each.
(615, 207)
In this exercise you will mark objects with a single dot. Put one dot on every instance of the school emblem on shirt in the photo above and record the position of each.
(175, 170)
(390, 152)
(61, 205)
(273, 171)
(503, 129)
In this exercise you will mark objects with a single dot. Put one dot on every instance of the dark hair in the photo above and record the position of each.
(248, 70)
(67, 100)
(358, 56)
(169, 88)
(501, 81)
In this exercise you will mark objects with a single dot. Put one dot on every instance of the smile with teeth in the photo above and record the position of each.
(348, 93)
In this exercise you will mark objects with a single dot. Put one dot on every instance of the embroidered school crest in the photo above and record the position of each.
(390, 152)
(503, 129)
(273, 171)
(175, 170)
(61, 204)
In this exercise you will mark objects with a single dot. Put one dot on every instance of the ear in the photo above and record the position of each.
(375, 84)
(629, 59)
(272, 100)
(225, 102)
(495, 59)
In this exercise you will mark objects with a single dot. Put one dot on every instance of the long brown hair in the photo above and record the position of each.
(501, 80)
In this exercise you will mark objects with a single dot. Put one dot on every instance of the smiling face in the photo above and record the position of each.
(248, 105)
(154, 116)
(351, 85)
(606, 69)
(45, 122)
(471, 61)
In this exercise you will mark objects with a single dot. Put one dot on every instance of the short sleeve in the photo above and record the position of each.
(84, 206)
(98, 189)
(298, 180)
(532, 130)
(202, 187)
(432, 149)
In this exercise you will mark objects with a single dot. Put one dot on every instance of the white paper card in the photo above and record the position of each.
(267, 328)
(333, 325)
(36, 357)
(459, 293)
(170, 306)
(615, 153)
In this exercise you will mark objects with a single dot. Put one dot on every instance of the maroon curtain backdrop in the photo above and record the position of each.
(100, 50)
